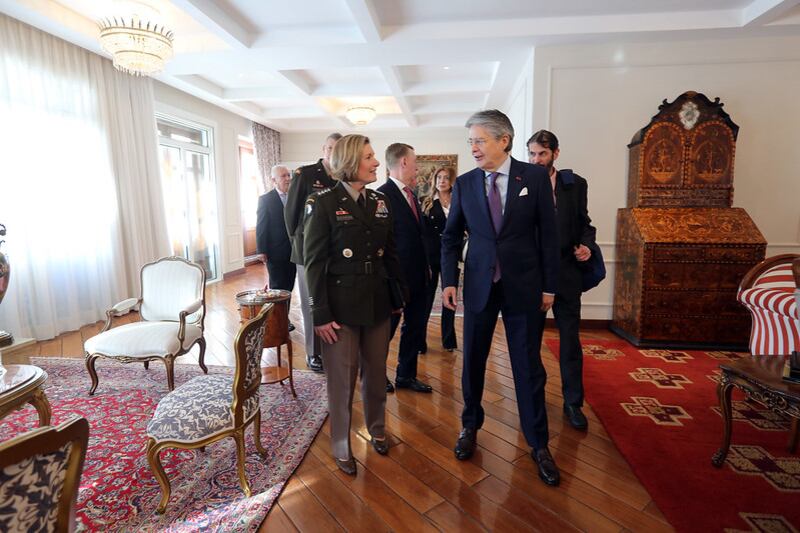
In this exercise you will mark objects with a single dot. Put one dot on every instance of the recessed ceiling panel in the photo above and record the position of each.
(413, 74)
(264, 14)
(394, 12)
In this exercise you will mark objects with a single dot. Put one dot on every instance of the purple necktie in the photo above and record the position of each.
(496, 211)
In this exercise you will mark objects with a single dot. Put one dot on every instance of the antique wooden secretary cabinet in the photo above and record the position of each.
(681, 248)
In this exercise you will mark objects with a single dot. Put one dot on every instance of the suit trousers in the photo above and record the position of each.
(281, 274)
(567, 312)
(312, 342)
(448, 315)
(367, 347)
(524, 337)
(412, 334)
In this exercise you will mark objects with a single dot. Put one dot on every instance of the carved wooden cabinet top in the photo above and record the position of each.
(684, 157)
(697, 226)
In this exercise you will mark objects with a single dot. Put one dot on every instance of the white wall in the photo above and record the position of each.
(519, 109)
(594, 98)
(303, 148)
(227, 128)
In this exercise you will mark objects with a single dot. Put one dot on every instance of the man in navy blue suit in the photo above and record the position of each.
(408, 236)
(272, 240)
(506, 208)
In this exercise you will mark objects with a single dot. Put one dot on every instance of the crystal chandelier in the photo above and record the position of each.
(138, 43)
(360, 116)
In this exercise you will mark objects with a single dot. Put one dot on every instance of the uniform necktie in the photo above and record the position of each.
(411, 202)
(496, 211)
(362, 201)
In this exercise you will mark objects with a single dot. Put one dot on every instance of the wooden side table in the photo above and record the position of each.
(276, 333)
(21, 384)
(760, 378)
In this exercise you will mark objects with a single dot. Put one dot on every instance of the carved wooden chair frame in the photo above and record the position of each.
(42, 441)
(168, 359)
(241, 393)
(754, 273)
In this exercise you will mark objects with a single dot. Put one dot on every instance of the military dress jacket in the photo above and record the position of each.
(306, 181)
(350, 255)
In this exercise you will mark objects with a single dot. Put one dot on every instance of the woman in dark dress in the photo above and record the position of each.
(435, 208)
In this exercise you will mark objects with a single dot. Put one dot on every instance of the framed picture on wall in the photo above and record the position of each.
(427, 165)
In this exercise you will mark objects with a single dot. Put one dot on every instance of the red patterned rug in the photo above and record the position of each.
(660, 408)
(118, 491)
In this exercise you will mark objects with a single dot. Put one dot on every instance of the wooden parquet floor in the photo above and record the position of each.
(420, 486)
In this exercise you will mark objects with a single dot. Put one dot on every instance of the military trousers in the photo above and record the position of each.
(312, 342)
(357, 346)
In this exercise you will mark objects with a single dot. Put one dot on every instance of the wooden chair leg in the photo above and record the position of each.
(238, 436)
(202, 359)
(147, 365)
(90, 361)
(159, 473)
(169, 363)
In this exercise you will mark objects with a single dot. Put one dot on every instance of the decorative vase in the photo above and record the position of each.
(5, 274)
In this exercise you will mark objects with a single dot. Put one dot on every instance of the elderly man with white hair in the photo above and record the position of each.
(272, 239)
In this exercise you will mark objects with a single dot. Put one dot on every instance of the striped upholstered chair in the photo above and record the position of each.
(768, 291)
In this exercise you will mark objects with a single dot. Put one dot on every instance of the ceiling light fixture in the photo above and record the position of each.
(360, 116)
(138, 43)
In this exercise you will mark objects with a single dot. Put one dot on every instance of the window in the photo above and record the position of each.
(190, 199)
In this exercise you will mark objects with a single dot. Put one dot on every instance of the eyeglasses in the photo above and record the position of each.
(477, 142)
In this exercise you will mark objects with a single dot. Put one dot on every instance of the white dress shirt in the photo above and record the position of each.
(402, 186)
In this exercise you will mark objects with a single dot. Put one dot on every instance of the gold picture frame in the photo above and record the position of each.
(426, 164)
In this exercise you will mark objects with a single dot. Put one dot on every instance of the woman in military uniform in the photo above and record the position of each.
(350, 261)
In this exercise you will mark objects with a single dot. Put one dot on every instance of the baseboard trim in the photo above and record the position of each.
(586, 323)
(678, 345)
(233, 273)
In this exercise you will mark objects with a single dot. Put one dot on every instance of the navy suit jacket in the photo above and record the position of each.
(526, 245)
(271, 235)
(409, 238)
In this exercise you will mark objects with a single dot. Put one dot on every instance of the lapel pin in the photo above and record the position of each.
(518, 178)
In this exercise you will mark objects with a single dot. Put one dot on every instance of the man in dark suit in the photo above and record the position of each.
(506, 207)
(272, 240)
(576, 237)
(307, 180)
(408, 235)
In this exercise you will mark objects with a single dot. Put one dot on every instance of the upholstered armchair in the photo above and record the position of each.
(40, 473)
(768, 292)
(172, 310)
(209, 408)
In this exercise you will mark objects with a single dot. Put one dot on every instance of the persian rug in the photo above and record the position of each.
(118, 491)
(661, 410)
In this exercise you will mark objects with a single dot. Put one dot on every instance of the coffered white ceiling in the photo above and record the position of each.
(299, 64)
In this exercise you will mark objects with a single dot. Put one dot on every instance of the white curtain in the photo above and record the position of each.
(79, 182)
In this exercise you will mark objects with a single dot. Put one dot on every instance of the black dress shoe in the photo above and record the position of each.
(449, 348)
(381, 446)
(413, 384)
(389, 386)
(348, 466)
(548, 471)
(575, 417)
(291, 326)
(465, 445)
(314, 363)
